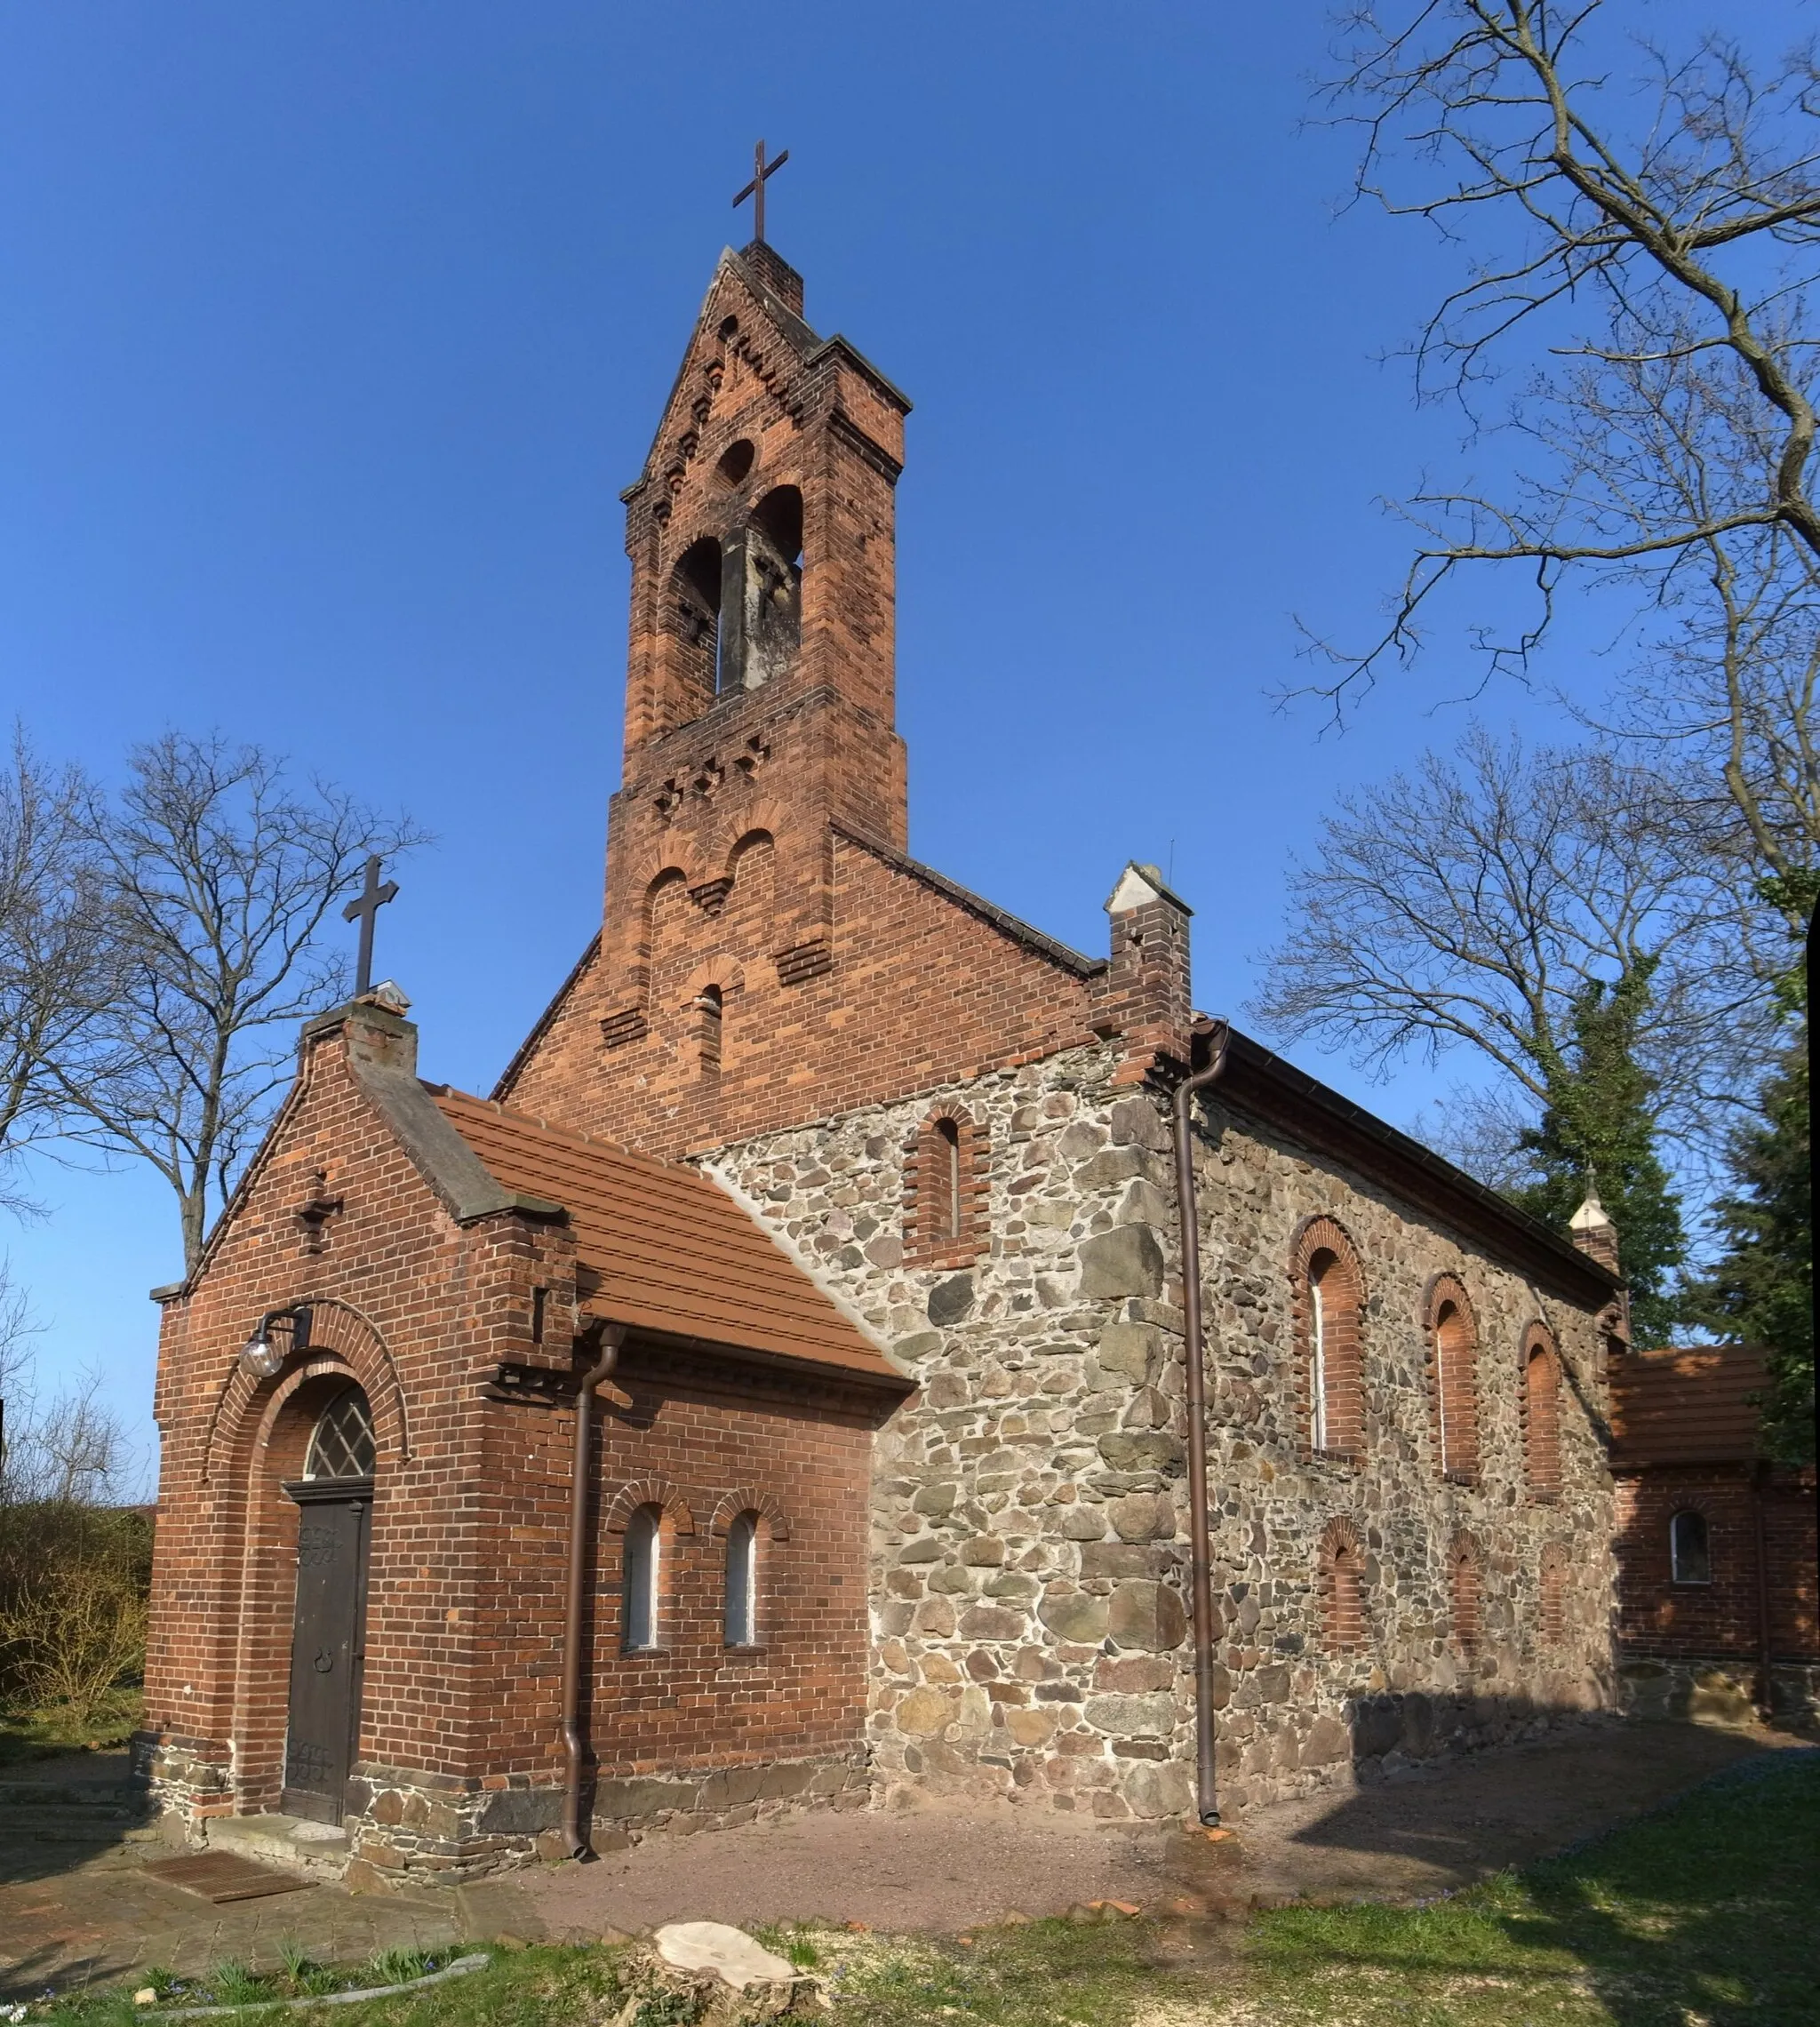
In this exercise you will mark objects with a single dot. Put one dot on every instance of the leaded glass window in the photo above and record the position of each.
(342, 1444)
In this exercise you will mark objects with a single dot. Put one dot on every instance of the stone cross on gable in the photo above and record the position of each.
(372, 898)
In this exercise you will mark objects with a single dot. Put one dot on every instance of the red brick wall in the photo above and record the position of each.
(1658, 1616)
(469, 1525)
(921, 992)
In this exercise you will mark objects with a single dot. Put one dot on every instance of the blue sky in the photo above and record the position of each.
(332, 331)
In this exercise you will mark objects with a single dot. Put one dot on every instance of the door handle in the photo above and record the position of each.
(325, 1661)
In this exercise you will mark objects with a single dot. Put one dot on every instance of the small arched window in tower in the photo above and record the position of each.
(341, 1443)
(944, 1225)
(1327, 1299)
(1551, 1594)
(1341, 1578)
(639, 1589)
(1689, 1555)
(694, 619)
(735, 462)
(1541, 1415)
(742, 1581)
(710, 1011)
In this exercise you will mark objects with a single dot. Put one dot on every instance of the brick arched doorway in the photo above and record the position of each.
(328, 1643)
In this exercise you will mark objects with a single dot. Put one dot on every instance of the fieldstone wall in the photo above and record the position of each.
(1029, 1528)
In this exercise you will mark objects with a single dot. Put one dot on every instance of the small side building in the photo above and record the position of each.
(1715, 1544)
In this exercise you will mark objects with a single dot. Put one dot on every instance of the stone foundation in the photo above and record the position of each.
(415, 1828)
(1719, 1691)
(184, 1782)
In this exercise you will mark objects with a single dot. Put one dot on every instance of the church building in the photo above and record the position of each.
(774, 1394)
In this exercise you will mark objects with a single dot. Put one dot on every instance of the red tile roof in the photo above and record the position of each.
(663, 1249)
(1691, 1407)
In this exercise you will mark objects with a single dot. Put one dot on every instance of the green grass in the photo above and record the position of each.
(1704, 1912)
(40, 1733)
(1702, 1916)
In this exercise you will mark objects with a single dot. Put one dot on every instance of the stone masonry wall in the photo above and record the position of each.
(1029, 1528)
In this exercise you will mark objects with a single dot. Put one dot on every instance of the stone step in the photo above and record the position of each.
(316, 1850)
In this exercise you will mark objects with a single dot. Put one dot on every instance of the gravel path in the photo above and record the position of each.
(942, 1867)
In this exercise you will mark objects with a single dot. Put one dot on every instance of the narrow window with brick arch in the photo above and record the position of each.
(742, 1581)
(639, 1626)
(1453, 1339)
(1541, 1414)
(1341, 1574)
(1329, 1301)
(1465, 1589)
(944, 1187)
(710, 1012)
(1690, 1552)
(1551, 1594)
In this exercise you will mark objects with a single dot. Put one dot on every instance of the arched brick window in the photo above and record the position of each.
(1328, 1293)
(1541, 1413)
(1340, 1577)
(710, 1013)
(1551, 1588)
(1453, 1374)
(641, 1579)
(740, 1627)
(946, 1186)
(1465, 1589)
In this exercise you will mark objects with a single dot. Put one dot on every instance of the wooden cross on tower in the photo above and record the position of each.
(366, 905)
(760, 170)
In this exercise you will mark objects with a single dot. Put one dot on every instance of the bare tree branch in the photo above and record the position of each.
(55, 956)
(1471, 904)
(219, 879)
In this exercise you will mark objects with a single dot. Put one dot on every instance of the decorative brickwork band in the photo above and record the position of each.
(748, 1499)
(1453, 1377)
(340, 1332)
(1340, 1578)
(1327, 1301)
(807, 960)
(1541, 1408)
(648, 1492)
(948, 1182)
(1465, 1586)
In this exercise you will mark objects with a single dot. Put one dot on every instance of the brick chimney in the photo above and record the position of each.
(1594, 1234)
(1144, 996)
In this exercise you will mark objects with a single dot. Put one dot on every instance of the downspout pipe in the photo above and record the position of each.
(1766, 1654)
(612, 1335)
(1200, 1548)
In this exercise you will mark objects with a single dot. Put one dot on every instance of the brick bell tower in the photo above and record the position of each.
(760, 682)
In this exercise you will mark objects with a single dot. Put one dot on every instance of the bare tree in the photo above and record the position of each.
(218, 878)
(55, 953)
(1645, 224)
(1474, 902)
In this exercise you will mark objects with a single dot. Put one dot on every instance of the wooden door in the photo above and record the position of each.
(328, 1644)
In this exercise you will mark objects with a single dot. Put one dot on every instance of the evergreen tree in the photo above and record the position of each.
(1761, 1290)
(1598, 1131)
